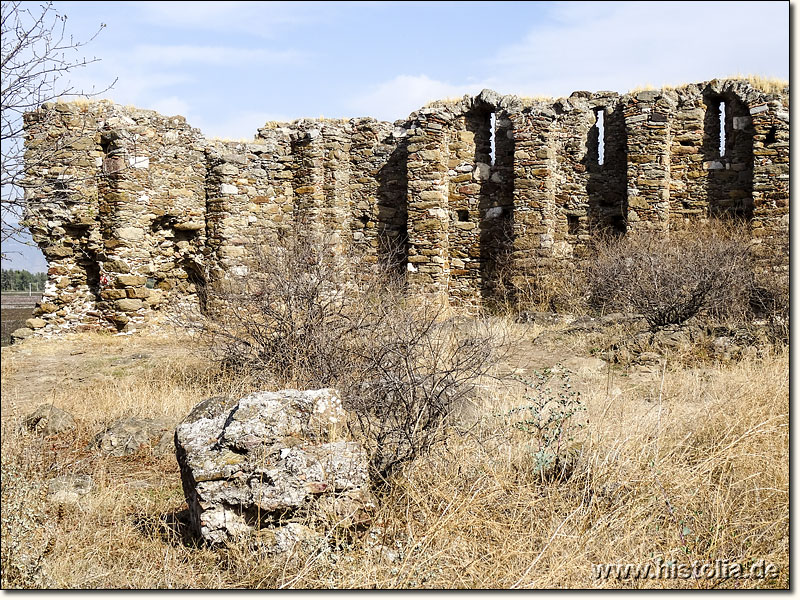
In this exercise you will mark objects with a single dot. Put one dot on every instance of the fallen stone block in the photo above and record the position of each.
(269, 462)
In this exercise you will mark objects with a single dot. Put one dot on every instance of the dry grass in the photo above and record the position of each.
(768, 85)
(227, 140)
(694, 470)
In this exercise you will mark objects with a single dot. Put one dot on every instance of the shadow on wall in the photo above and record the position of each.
(728, 155)
(606, 162)
(496, 196)
(393, 210)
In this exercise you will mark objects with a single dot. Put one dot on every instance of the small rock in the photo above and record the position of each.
(21, 334)
(384, 553)
(128, 436)
(49, 419)
(279, 540)
(724, 348)
(35, 323)
(68, 489)
(580, 364)
(127, 360)
(544, 318)
(649, 358)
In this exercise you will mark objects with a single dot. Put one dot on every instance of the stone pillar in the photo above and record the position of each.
(309, 175)
(647, 124)
(364, 185)
(126, 214)
(465, 173)
(152, 211)
(534, 189)
(227, 209)
(688, 188)
(770, 224)
(337, 211)
(62, 208)
(428, 259)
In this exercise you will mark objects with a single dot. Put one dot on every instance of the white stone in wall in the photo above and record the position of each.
(139, 162)
(494, 212)
(741, 122)
(228, 189)
(482, 171)
(130, 233)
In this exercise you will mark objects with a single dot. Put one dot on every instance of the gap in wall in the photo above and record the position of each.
(601, 134)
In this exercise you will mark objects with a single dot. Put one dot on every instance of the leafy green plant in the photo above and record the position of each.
(550, 419)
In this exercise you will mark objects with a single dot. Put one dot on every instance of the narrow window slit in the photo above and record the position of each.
(601, 135)
(492, 136)
(463, 215)
(721, 129)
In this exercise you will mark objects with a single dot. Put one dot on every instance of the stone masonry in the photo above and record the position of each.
(134, 211)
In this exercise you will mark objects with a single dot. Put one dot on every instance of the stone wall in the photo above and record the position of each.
(134, 211)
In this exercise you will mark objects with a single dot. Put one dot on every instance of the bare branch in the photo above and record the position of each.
(37, 58)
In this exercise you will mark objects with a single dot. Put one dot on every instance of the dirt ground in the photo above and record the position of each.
(34, 371)
(715, 434)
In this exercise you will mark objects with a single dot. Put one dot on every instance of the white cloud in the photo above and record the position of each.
(618, 46)
(612, 46)
(171, 56)
(402, 95)
(253, 18)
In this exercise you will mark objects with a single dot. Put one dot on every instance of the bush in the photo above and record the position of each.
(769, 300)
(559, 287)
(672, 277)
(305, 313)
(549, 418)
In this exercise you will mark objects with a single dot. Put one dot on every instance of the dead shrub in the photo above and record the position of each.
(769, 301)
(307, 313)
(672, 277)
(560, 288)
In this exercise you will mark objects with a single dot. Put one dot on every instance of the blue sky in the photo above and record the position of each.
(230, 66)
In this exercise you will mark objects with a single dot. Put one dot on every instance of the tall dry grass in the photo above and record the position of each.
(692, 469)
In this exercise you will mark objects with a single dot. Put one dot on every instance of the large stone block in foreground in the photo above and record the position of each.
(260, 467)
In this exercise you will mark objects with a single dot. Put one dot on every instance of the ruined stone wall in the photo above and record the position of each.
(119, 211)
(135, 211)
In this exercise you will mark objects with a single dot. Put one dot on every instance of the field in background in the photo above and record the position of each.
(17, 307)
(682, 463)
